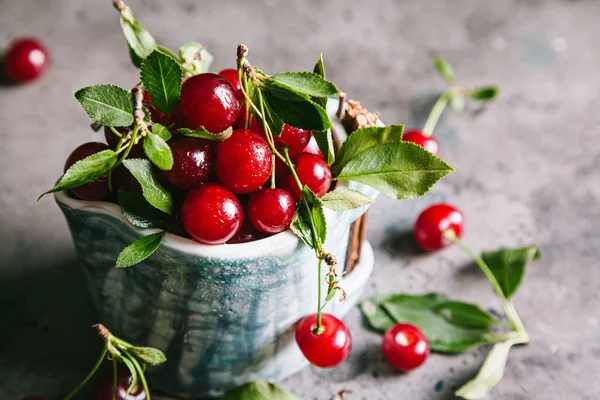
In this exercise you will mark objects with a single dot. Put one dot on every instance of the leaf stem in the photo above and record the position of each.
(89, 375)
(509, 309)
(436, 113)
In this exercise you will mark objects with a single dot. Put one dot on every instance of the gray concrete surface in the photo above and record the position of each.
(526, 172)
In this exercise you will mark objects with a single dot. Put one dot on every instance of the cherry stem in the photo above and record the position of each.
(116, 132)
(509, 309)
(114, 362)
(319, 329)
(140, 372)
(436, 113)
(273, 171)
(89, 375)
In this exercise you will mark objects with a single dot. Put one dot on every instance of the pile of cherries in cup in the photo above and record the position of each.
(225, 186)
(227, 197)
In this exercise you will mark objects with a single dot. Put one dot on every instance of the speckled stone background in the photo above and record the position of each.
(527, 172)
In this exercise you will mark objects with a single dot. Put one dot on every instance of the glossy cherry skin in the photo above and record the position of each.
(294, 139)
(232, 77)
(103, 388)
(417, 137)
(98, 189)
(25, 60)
(331, 347)
(433, 222)
(211, 214)
(271, 210)
(312, 171)
(210, 101)
(405, 347)
(192, 163)
(247, 233)
(243, 161)
(313, 148)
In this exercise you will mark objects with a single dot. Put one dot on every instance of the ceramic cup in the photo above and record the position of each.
(223, 315)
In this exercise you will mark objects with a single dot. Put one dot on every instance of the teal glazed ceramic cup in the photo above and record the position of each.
(223, 315)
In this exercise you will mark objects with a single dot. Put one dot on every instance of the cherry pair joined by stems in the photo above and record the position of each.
(208, 100)
(327, 348)
(25, 60)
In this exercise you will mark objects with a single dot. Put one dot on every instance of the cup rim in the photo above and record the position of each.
(270, 244)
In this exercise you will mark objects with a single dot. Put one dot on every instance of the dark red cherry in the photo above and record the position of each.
(417, 137)
(247, 233)
(312, 171)
(271, 210)
(232, 77)
(434, 222)
(155, 115)
(98, 189)
(103, 388)
(328, 349)
(211, 214)
(293, 138)
(25, 60)
(243, 161)
(405, 347)
(192, 162)
(122, 179)
(312, 147)
(210, 101)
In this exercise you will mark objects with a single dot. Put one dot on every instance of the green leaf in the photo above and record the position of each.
(153, 191)
(306, 83)
(325, 142)
(107, 105)
(444, 68)
(508, 266)
(139, 250)
(464, 314)
(401, 170)
(161, 131)
(149, 355)
(310, 213)
(444, 333)
(273, 120)
(491, 372)
(161, 76)
(486, 93)
(141, 42)
(319, 69)
(85, 171)
(158, 151)
(259, 390)
(140, 213)
(202, 133)
(195, 58)
(362, 139)
(345, 199)
(297, 111)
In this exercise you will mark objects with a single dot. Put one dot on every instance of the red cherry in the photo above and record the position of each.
(232, 77)
(248, 233)
(312, 147)
(243, 161)
(433, 222)
(122, 179)
(103, 388)
(25, 60)
(417, 137)
(405, 347)
(98, 189)
(271, 210)
(312, 172)
(211, 214)
(155, 115)
(331, 347)
(192, 163)
(210, 101)
(294, 138)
